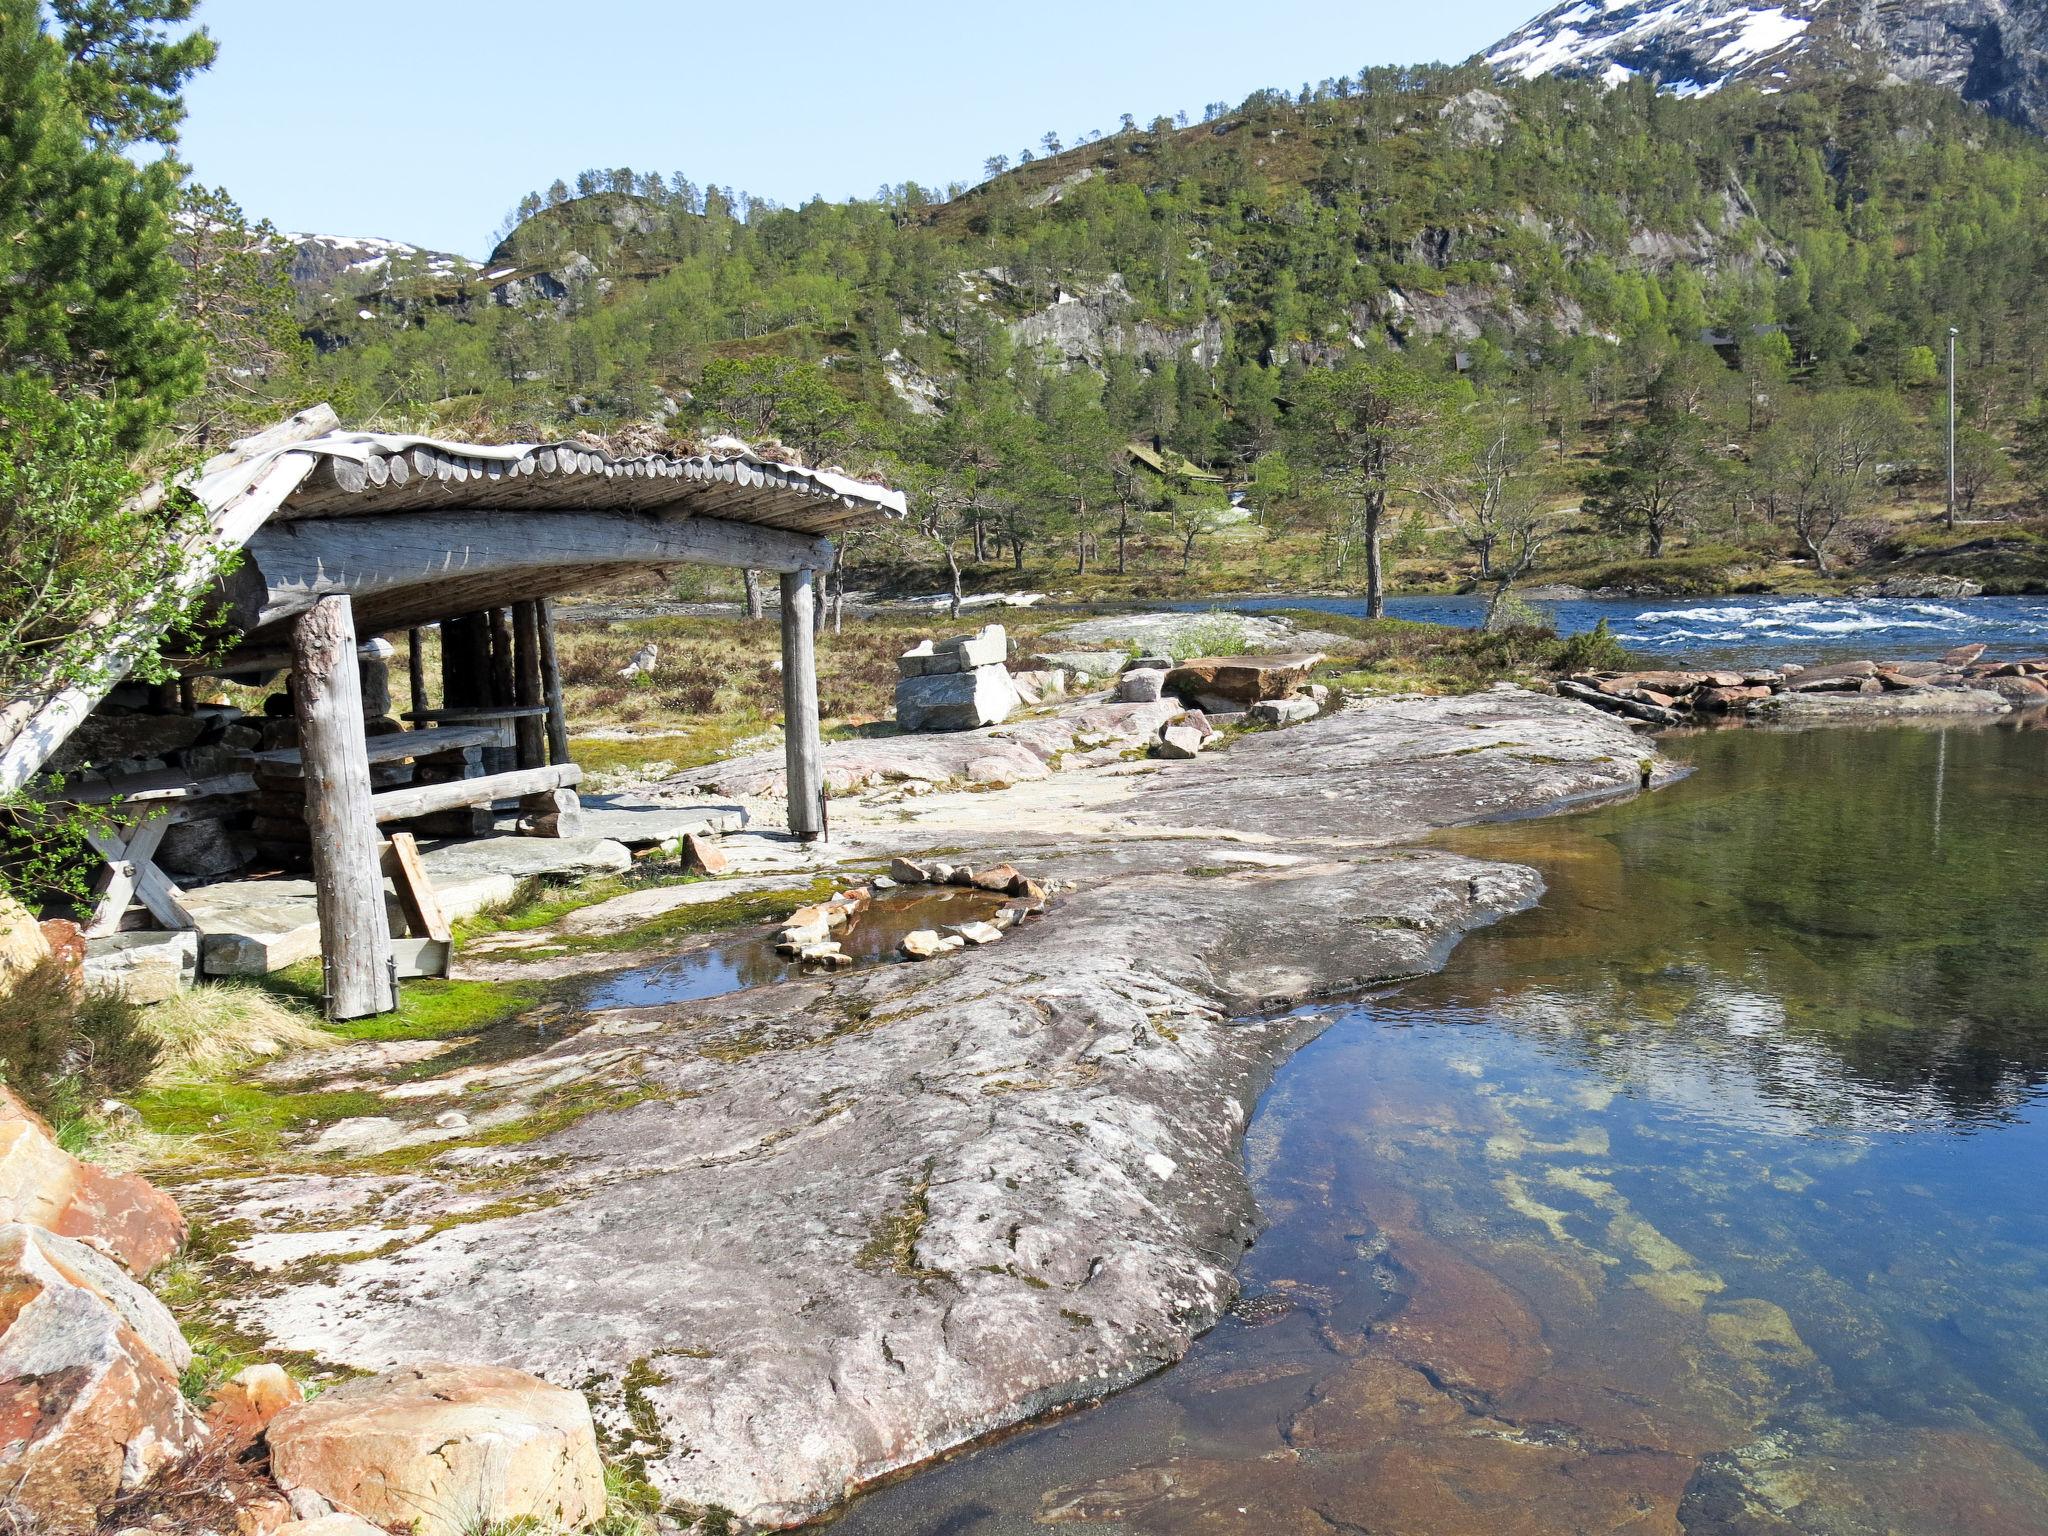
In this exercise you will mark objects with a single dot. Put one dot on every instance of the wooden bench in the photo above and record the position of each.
(394, 747)
(546, 796)
(146, 806)
(501, 748)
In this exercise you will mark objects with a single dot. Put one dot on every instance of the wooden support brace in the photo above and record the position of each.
(424, 918)
(526, 685)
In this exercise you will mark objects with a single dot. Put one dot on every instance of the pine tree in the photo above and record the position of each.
(127, 72)
(88, 289)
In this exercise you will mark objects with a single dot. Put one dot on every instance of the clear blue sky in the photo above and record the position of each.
(426, 120)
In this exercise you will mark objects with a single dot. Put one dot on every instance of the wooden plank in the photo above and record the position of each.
(424, 918)
(414, 957)
(551, 684)
(426, 799)
(394, 747)
(355, 934)
(502, 691)
(803, 749)
(385, 562)
(526, 688)
(128, 853)
(482, 712)
(164, 786)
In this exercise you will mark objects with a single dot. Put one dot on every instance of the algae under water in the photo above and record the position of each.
(1708, 1196)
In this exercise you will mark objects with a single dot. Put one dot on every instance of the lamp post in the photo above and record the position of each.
(1952, 334)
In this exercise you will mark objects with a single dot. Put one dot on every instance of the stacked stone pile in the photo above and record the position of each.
(1671, 697)
(1223, 690)
(956, 685)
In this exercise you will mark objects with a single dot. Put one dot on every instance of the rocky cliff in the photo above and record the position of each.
(1990, 52)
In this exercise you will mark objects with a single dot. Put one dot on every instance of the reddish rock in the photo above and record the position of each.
(448, 1448)
(1652, 696)
(66, 943)
(243, 1408)
(1461, 1324)
(701, 855)
(1241, 679)
(45, 1186)
(89, 1366)
(1962, 655)
(997, 877)
(1841, 676)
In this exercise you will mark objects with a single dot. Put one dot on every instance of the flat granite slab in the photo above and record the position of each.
(253, 927)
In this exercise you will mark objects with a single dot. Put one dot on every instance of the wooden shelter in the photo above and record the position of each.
(346, 536)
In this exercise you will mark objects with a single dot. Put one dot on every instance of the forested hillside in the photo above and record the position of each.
(1544, 325)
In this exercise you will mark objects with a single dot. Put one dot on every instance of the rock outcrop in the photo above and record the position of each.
(956, 685)
(89, 1367)
(812, 1233)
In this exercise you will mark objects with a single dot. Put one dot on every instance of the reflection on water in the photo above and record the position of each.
(1705, 1198)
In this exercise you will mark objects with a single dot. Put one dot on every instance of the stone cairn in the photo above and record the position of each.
(956, 685)
(1670, 697)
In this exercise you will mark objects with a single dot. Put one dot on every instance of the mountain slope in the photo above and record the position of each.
(1991, 52)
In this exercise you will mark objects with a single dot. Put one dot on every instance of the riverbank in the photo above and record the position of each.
(799, 1236)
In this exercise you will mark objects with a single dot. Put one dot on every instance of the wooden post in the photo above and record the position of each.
(551, 684)
(800, 706)
(526, 683)
(465, 662)
(355, 933)
(416, 671)
(501, 656)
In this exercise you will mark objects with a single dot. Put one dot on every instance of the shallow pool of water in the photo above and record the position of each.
(750, 960)
(1748, 631)
(1706, 1197)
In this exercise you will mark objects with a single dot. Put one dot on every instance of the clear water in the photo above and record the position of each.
(1743, 630)
(1709, 1196)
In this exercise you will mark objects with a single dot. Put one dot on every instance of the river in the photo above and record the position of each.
(1706, 1196)
(1741, 631)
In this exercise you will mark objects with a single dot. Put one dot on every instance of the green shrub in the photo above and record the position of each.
(63, 1050)
(1592, 650)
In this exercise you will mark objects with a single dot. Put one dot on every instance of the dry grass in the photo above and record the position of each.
(210, 1031)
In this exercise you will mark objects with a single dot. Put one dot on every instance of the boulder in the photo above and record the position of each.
(1179, 742)
(89, 1367)
(700, 855)
(929, 944)
(976, 933)
(1842, 676)
(205, 847)
(243, 1408)
(1241, 679)
(1149, 664)
(2022, 691)
(1962, 655)
(1282, 711)
(1000, 878)
(1197, 722)
(908, 872)
(1141, 685)
(956, 701)
(1724, 701)
(22, 945)
(41, 1184)
(990, 648)
(144, 966)
(1039, 687)
(446, 1449)
(1080, 663)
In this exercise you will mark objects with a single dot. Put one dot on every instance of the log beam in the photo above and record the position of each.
(355, 934)
(801, 744)
(400, 567)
